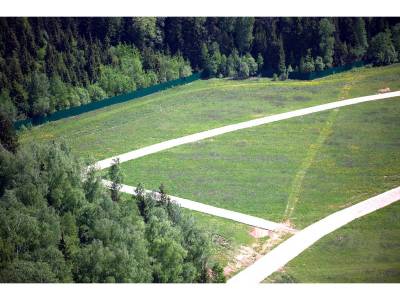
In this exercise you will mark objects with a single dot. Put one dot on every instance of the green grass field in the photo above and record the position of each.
(255, 171)
(227, 236)
(248, 171)
(360, 158)
(366, 250)
(300, 169)
(195, 107)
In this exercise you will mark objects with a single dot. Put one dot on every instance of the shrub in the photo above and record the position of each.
(96, 92)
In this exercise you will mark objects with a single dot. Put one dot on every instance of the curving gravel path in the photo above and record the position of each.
(285, 252)
(215, 211)
(105, 163)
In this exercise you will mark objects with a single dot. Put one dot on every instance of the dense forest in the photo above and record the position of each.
(47, 64)
(55, 227)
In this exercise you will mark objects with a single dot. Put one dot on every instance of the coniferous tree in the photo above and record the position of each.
(260, 62)
(164, 199)
(243, 71)
(251, 63)
(8, 112)
(218, 274)
(282, 58)
(382, 51)
(116, 177)
(327, 41)
(396, 38)
(39, 94)
(244, 33)
(360, 46)
(319, 63)
(307, 63)
(116, 55)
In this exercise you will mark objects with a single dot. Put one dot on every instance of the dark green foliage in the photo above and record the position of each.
(218, 274)
(307, 63)
(39, 94)
(165, 248)
(244, 34)
(164, 199)
(179, 250)
(326, 45)
(116, 177)
(282, 59)
(243, 71)
(251, 63)
(319, 63)
(57, 227)
(260, 62)
(217, 65)
(212, 60)
(283, 76)
(96, 92)
(396, 38)
(382, 51)
(359, 41)
(50, 64)
(8, 138)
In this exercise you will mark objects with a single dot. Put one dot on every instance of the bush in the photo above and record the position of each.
(252, 64)
(319, 64)
(283, 76)
(243, 71)
(382, 51)
(115, 82)
(96, 92)
(307, 63)
(83, 95)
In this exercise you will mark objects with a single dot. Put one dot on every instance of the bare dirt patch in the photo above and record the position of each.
(259, 233)
(384, 90)
(246, 256)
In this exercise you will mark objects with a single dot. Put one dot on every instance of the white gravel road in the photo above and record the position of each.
(105, 163)
(285, 252)
(215, 211)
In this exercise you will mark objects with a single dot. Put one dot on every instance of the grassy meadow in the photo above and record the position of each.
(298, 170)
(183, 110)
(366, 250)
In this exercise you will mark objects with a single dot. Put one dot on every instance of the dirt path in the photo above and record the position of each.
(247, 255)
(105, 163)
(313, 150)
(215, 211)
(295, 245)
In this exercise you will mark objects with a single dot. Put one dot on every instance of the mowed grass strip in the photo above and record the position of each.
(366, 250)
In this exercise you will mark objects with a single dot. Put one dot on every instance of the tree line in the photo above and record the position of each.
(56, 227)
(48, 64)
